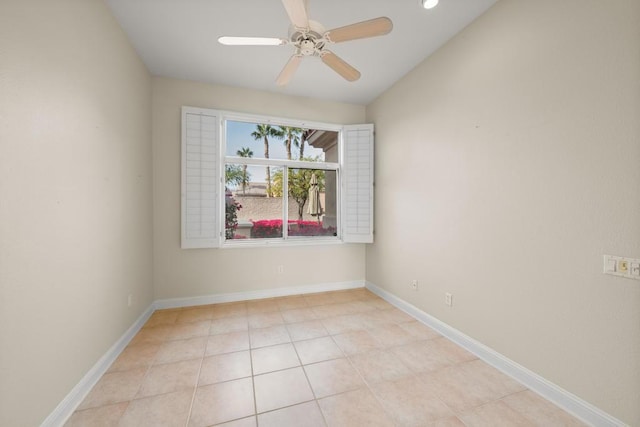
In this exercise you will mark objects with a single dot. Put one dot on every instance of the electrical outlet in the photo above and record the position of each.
(414, 285)
(448, 299)
(130, 300)
(281, 269)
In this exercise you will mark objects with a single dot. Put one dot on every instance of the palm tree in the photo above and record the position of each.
(244, 152)
(306, 133)
(292, 137)
(264, 132)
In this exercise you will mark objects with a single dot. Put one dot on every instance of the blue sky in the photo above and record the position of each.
(239, 136)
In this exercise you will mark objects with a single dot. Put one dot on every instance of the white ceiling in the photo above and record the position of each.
(178, 38)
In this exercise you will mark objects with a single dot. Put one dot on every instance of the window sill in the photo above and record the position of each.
(266, 243)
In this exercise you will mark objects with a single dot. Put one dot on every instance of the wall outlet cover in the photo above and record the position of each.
(622, 266)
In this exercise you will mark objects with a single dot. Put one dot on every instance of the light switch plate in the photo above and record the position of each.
(622, 266)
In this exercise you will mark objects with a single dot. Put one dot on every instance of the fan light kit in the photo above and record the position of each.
(254, 41)
(309, 38)
(429, 4)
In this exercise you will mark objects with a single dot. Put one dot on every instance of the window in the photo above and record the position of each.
(253, 180)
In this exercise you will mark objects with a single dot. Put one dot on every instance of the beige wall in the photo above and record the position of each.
(507, 164)
(196, 272)
(75, 198)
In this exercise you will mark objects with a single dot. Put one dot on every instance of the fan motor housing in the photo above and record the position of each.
(309, 41)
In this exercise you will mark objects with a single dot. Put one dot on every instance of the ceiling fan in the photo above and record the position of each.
(309, 38)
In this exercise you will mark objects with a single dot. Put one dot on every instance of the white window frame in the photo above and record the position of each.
(354, 176)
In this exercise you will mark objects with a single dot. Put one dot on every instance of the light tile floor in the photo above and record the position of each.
(344, 358)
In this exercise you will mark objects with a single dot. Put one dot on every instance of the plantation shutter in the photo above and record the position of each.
(357, 192)
(200, 178)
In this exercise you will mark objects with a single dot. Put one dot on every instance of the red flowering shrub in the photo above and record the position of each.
(310, 228)
(270, 228)
(266, 228)
(231, 215)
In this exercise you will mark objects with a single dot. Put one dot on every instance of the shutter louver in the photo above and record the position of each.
(358, 184)
(200, 178)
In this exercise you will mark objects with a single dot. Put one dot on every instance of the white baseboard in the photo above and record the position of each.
(65, 409)
(562, 398)
(251, 295)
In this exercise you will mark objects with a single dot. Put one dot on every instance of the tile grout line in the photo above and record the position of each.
(195, 389)
(253, 381)
(144, 377)
(365, 382)
(315, 398)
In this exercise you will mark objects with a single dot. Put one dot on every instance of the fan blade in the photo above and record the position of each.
(339, 66)
(297, 11)
(373, 27)
(251, 41)
(289, 70)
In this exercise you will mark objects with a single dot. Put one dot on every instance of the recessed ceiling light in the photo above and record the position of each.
(429, 4)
